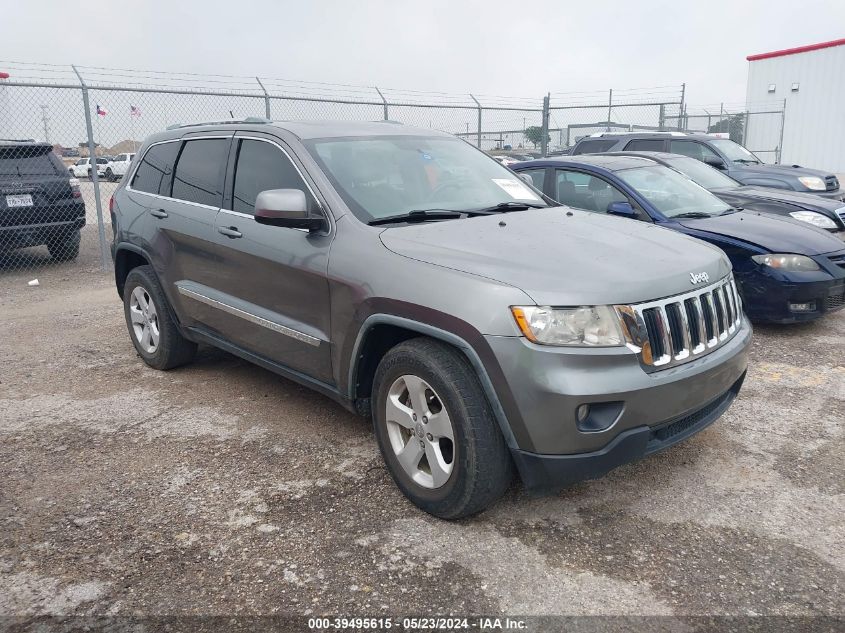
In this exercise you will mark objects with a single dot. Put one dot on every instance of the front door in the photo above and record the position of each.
(272, 280)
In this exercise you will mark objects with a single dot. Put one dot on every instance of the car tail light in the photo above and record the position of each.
(74, 188)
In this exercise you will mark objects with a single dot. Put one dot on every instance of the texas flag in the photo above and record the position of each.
(101, 110)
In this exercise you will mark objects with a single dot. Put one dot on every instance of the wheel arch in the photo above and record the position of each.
(381, 332)
(127, 257)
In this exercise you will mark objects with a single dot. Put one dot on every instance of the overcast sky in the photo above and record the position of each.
(490, 47)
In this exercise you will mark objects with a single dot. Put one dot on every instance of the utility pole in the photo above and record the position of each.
(46, 120)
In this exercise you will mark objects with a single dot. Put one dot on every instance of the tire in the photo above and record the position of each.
(110, 175)
(64, 248)
(171, 349)
(476, 462)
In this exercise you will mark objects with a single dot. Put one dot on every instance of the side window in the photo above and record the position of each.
(594, 146)
(262, 166)
(538, 176)
(199, 171)
(153, 173)
(584, 191)
(645, 145)
(693, 149)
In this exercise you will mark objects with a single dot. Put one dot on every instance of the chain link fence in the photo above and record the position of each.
(72, 132)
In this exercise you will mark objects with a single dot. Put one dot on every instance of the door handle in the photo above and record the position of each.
(230, 231)
(158, 213)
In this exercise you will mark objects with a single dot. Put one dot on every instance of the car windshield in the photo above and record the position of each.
(734, 151)
(706, 176)
(385, 176)
(671, 193)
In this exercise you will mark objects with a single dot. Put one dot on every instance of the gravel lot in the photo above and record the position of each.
(220, 488)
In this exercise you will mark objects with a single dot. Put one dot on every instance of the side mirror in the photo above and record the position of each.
(714, 161)
(622, 209)
(285, 207)
(527, 178)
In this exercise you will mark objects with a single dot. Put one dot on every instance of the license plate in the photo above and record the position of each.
(22, 200)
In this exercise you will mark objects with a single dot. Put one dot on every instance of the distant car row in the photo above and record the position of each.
(112, 168)
(787, 268)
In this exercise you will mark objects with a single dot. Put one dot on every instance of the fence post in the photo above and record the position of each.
(544, 138)
(266, 99)
(609, 108)
(661, 116)
(92, 155)
(782, 125)
(478, 131)
(682, 107)
(384, 101)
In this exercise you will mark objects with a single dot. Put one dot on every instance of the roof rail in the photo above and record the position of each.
(249, 119)
(620, 133)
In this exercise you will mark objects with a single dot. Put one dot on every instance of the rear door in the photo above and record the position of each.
(181, 216)
(272, 281)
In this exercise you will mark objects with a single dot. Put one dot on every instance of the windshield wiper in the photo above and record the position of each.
(747, 161)
(730, 210)
(504, 207)
(693, 214)
(420, 215)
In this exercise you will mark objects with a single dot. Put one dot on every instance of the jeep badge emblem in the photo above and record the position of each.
(698, 278)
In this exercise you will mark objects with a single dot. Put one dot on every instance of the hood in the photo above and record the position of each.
(560, 259)
(774, 233)
(784, 170)
(809, 201)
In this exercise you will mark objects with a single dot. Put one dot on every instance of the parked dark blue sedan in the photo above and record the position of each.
(787, 271)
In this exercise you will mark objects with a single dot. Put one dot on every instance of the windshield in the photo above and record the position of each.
(702, 174)
(672, 193)
(384, 176)
(734, 151)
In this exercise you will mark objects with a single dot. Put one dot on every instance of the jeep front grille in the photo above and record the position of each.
(679, 329)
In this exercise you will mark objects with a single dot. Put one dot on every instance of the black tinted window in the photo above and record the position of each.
(262, 166)
(594, 146)
(24, 160)
(153, 173)
(645, 145)
(199, 171)
(699, 151)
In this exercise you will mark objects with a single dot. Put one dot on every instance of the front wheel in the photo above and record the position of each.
(110, 175)
(154, 334)
(436, 430)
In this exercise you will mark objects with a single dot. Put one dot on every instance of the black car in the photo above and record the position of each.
(721, 153)
(39, 203)
(822, 213)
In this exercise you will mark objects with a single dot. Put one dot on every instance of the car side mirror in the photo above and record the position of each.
(287, 208)
(527, 178)
(622, 209)
(714, 161)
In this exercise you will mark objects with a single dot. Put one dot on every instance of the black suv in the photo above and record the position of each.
(39, 204)
(721, 153)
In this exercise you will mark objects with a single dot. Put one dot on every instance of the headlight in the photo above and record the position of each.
(586, 326)
(788, 263)
(812, 182)
(816, 219)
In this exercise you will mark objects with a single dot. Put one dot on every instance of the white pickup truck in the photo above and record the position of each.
(118, 166)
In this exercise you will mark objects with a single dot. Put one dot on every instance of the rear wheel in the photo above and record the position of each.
(151, 328)
(65, 247)
(436, 430)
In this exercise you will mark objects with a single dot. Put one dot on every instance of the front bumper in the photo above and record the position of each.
(547, 385)
(836, 194)
(767, 296)
(550, 471)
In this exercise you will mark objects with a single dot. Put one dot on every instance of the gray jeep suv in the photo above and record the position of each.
(410, 277)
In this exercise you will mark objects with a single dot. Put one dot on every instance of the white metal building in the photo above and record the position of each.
(810, 80)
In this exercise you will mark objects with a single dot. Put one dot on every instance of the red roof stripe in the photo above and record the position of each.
(793, 51)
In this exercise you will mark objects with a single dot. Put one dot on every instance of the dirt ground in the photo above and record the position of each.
(222, 489)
